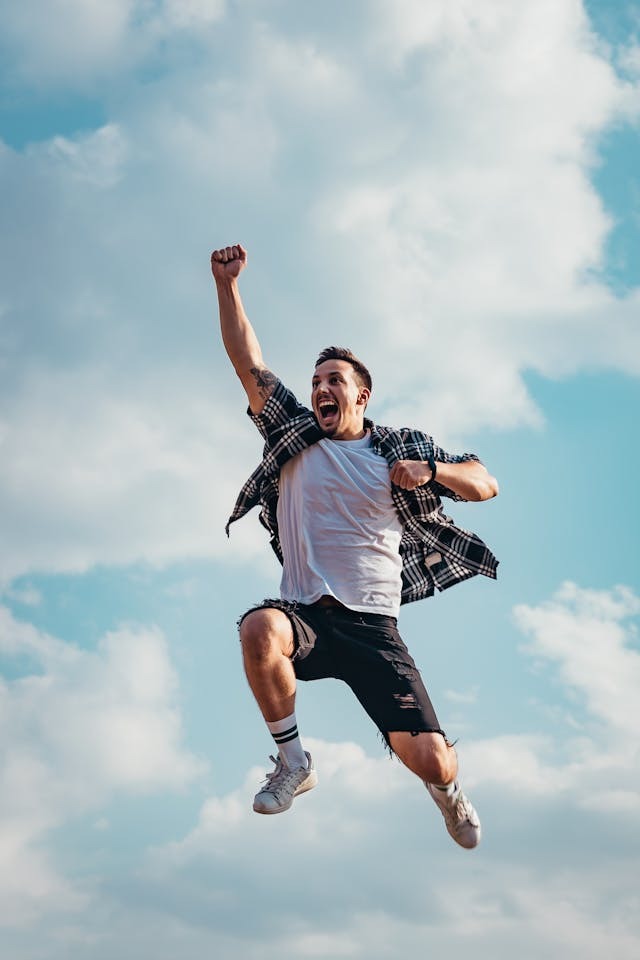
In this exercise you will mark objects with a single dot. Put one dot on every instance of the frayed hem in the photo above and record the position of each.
(384, 738)
(287, 606)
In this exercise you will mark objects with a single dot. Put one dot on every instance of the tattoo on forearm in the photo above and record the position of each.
(265, 380)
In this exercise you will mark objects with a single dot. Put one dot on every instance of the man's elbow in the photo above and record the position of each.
(491, 488)
(486, 488)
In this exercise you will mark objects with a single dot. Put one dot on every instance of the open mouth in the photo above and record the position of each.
(327, 409)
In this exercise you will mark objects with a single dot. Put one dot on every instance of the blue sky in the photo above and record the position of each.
(452, 190)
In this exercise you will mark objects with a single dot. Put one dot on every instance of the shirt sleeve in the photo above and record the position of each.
(281, 407)
(407, 443)
(442, 456)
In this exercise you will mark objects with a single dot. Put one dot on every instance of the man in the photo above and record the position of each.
(354, 514)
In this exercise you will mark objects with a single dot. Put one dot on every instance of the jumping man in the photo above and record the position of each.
(355, 518)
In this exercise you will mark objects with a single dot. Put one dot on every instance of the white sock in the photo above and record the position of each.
(447, 788)
(285, 734)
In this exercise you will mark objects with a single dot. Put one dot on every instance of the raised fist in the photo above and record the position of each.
(227, 262)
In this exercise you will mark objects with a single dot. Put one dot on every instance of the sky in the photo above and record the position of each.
(451, 189)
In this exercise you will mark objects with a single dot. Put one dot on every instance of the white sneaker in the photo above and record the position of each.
(282, 785)
(460, 818)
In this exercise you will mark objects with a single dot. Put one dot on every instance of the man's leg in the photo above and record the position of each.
(266, 635)
(384, 677)
(428, 755)
(432, 758)
(267, 641)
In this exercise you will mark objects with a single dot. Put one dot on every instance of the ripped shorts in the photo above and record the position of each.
(366, 651)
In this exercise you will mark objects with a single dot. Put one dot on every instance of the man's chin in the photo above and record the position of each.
(329, 431)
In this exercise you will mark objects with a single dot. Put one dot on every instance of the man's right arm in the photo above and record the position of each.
(238, 335)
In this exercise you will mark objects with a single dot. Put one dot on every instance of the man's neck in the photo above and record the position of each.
(357, 434)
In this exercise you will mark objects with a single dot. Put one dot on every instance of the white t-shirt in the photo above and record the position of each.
(339, 529)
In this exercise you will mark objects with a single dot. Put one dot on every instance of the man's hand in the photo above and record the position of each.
(227, 262)
(410, 474)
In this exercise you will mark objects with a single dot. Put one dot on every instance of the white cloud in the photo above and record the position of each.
(534, 794)
(97, 478)
(30, 882)
(421, 181)
(347, 773)
(585, 632)
(61, 39)
(587, 639)
(423, 193)
(96, 158)
(356, 846)
(77, 727)
(479, 243)
(192, 14)
(304, 74)
(62, 42)
(370, 827)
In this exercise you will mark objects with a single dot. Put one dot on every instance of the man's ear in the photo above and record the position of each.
(363, 396)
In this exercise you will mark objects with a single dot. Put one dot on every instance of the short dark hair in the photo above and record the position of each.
(343, 353)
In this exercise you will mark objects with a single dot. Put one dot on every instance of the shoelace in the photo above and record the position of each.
(276, 772)
(459, 811)
(278, 778)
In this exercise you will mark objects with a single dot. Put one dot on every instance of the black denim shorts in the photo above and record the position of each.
(366, 651)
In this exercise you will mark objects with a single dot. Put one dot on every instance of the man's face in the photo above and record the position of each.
(338, 400)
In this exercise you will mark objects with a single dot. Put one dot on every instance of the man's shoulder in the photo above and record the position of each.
(284, 423)
(281, 405)
(401, 434)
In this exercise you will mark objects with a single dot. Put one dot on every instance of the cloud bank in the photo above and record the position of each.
(362, 866)
(78, 727)
(446, 224)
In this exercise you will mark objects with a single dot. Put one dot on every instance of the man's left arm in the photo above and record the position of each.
(469, 479)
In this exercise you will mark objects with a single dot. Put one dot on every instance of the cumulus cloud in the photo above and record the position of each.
(96, 158)
(61, 42)
(481, 239)
(370, 828)
(492, 911)
(357, 847)
(66, 38)
(194, 14)
(446, 219)
(587, 639)
(78, 726)
(126, 477)
(587, 634)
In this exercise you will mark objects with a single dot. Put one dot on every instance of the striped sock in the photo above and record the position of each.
(285, 734)
(447, 788)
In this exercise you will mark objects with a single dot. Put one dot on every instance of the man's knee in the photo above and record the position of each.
(265, 633)
(429, 755)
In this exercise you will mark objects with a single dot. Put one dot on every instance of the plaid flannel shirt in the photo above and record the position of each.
(435, 553)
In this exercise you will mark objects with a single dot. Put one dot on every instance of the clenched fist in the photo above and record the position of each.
(227, 262)
(410, 474)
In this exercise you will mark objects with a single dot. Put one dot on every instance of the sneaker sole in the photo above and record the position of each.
(308, 784)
